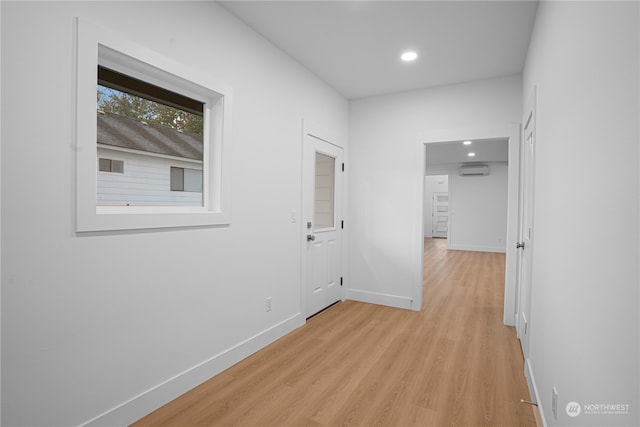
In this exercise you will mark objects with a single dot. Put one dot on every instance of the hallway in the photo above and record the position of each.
(356, 364)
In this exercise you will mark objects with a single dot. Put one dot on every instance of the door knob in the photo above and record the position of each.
(519, 245)
(310, 237)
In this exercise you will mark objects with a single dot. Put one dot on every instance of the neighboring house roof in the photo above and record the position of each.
(125, 132)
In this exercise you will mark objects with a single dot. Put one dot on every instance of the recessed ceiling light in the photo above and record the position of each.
(467, 143)
(471, 154)
(409, 56)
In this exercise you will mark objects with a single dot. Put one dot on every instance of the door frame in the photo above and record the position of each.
(529, 122)
(310, 130)
(510, 132)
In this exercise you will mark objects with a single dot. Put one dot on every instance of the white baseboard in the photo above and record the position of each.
(380, 299)
(511, 319)
(533, 390)
(498, 249)
(152, 399)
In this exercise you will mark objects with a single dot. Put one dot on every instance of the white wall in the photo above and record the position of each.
(0, 214)
(432, 184)
(91, 321)
(386, 177)
(478, 207)
(584, 337)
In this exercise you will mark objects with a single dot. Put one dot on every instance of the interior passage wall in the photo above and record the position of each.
(584, 339)
(94, 321)
(386, 177)
(478, 206)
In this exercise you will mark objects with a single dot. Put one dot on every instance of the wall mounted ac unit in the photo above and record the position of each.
(469, 170)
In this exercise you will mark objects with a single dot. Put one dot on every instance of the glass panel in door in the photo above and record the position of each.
(324, 203)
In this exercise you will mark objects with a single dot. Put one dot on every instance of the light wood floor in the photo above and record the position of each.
(452, 364)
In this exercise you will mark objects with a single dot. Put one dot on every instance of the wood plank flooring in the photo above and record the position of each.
(356, 364)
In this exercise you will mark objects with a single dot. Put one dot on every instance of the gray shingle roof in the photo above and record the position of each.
(129, 133)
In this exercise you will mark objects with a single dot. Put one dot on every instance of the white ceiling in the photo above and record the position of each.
(355, 46)
(447, 153)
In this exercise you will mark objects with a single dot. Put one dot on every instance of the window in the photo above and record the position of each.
(186, 180)
(324, 191)
(169, 122)
(110, 165)
(153, 127)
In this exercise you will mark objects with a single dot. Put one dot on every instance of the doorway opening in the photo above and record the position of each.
(482, 166)
(469, 208)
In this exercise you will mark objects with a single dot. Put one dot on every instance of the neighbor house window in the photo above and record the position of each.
(110, 165)
(170, 123)
(186, 180)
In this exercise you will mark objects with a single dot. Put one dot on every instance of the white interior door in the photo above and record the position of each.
(524, 244)
(322, 223)
(440, 215)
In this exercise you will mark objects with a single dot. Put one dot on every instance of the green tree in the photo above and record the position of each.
(124, 104)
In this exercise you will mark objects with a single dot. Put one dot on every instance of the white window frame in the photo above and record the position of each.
(95, 46)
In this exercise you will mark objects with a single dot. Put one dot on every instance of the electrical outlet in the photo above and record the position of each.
(554, 403)
(267, 304)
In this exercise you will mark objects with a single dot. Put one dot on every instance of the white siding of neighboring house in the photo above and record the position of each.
(145, 181)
